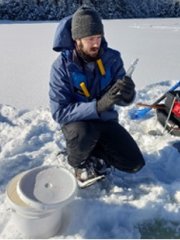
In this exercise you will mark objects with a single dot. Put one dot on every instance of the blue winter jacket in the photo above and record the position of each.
(67, 100)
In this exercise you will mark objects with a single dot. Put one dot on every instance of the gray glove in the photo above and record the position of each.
(127, 89)
(122, 90)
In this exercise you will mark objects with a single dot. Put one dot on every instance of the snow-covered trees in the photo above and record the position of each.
(57, 9)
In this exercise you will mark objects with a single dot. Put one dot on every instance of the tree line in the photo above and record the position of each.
(35, 10)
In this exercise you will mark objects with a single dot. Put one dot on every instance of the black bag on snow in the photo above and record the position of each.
(172, 103)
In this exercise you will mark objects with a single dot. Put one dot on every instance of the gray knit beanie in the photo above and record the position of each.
(86, 22)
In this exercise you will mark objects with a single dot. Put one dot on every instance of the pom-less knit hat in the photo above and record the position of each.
(86, 22)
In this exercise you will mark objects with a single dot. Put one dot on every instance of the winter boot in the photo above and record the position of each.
(100, 166)
(86, 176)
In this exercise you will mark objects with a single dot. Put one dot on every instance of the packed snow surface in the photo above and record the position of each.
(141, 205)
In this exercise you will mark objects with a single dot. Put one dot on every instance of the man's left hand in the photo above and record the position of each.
(126, 89)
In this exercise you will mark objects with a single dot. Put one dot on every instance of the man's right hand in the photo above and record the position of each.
(121, 90)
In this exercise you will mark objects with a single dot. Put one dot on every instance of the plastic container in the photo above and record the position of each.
(37, 198)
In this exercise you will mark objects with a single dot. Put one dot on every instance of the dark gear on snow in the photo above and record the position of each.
(86, 22)
(121, 90)
(169, 116)
(141, 113)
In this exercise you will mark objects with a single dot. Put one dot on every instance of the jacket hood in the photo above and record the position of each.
(63, 38)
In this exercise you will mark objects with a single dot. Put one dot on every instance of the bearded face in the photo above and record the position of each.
(89, 45)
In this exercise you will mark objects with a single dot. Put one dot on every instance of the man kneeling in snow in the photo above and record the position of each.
(87, 80)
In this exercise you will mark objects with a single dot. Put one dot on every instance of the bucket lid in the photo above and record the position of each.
(47, 187)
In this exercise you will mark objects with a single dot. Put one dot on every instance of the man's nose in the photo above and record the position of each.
(96, 43)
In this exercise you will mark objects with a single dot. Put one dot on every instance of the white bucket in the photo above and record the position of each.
(37, 198)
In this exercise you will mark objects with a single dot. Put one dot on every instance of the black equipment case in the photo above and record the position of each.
(172, 107)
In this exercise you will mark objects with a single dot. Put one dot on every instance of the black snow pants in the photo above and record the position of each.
(106, 140)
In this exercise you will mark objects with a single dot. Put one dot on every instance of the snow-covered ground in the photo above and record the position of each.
(141, 205)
